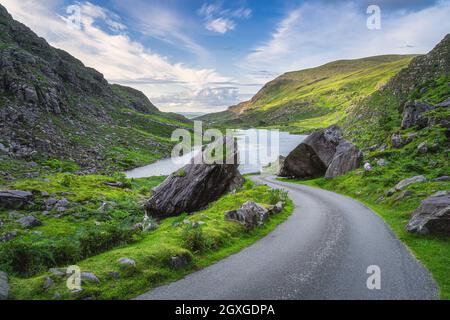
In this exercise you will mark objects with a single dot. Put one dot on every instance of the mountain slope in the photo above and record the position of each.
(52, 106)
(312, 98)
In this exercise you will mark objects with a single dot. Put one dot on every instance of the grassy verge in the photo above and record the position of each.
(96, 231)
(433, 252)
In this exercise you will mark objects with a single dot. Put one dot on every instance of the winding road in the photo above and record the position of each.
(322, 251)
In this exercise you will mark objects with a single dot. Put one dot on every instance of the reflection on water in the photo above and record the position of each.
(257, 148)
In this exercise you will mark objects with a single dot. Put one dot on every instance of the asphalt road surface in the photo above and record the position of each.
(323, 251)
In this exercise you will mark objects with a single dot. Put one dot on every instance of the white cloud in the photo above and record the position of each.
(220, 25)
(316, 33)
(118, 57)
(220, 20)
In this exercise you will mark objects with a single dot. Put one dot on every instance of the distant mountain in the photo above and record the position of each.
(313, 98)
(52, 106)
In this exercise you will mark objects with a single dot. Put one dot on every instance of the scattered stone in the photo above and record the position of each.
(88, 276)
(29, 222)
(432, 216)
(127, 262)
(406, 182)
(412, 112)
(423, 147)
(45, 194)
(199, 185)
(403, 195)
(367, 166)
(347, 158)
(4, 286)
(8, 236)
(57, 272)
(48, 283)
(442, 178)
(442, 193)
(276, 209)
(179, 262)
(114, 275)
(15, 215)
(250, 215)
(397, 140)
(381, 162)
(445, 103)
(1, 223)
(15, 199)
(62, 203)
(114, 184)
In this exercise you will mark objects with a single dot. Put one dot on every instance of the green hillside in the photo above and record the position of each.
(314, 98)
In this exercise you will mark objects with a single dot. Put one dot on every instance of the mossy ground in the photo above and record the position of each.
(152, 250)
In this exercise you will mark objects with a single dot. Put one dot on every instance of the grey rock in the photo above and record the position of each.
(29, 222)
(48, 283)
(423, 147)
(403, 195)
(15, 199)
(114, 275)
(57, 272)
(250, 215)
(347, 158)
(4, 286)
(45, 194)
(8, 236)
(442, 193)
(432, 217)
(198, 186)
(127, 262)
(1, 223)
(62, 203)
(412, 114)
(406, 182)
(313, 156)
(397, 140)
(381, 162)
(88, 276)
(442, 178)
(276, 209)
(15, 215)
(445, 103)
(179, 262)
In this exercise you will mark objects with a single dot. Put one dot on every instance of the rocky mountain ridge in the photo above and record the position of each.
(52, 106)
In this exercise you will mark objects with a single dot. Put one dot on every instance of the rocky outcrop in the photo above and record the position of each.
(196, 185)
(432, 216)
(412, 114)
(14, 199)
(249, 215)
(347, 158)
(29, 222)
(324, 153)
(4, 286)
(406, 182)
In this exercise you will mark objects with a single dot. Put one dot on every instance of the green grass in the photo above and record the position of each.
(152, 250)
(306, 100)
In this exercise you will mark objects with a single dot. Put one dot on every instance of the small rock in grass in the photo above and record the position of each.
(404, 195)
(406, 182)
(88, 276)
(29, 222)
(114, 275)
(179, 262)
(48, 283)
(367, 166)
(57, 272)
(45, 194)
(8, 236)
(423, 147)
(442, 178)
(441, 193)
(381, 162)
(127, 262)
(1, 223)
(15, 215)
(62, 203)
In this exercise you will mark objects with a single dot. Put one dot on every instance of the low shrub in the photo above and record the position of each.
(277, 195)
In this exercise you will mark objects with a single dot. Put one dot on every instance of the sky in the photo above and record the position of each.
(204, 56)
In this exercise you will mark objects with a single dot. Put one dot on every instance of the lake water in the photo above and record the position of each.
(257, 148)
